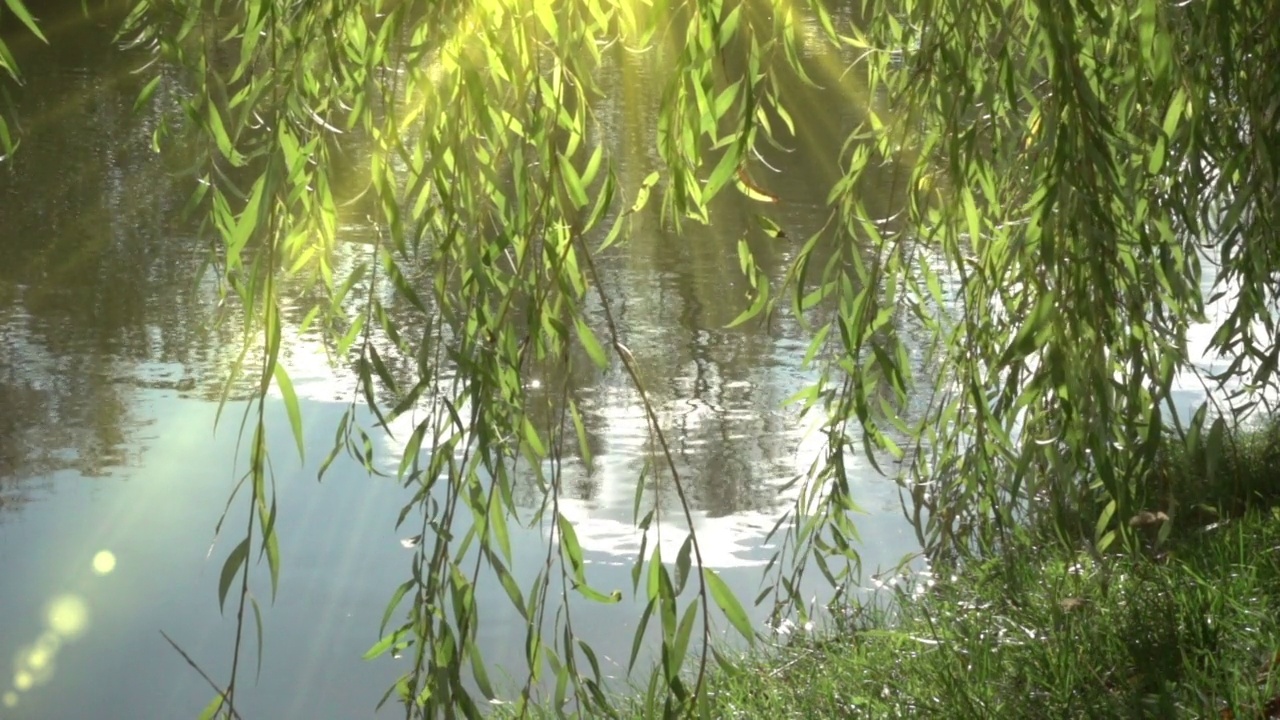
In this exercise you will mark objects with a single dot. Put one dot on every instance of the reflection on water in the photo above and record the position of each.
(112, 478)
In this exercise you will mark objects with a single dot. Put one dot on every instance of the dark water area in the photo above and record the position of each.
(113, 475)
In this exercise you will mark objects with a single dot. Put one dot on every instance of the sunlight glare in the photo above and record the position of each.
(104, 562)
(68, 616)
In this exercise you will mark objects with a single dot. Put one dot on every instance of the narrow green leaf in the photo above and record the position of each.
(572, 183)
(1029, 335)
(593, 166)
(584, 449)
(270, 544)
(212, 709)
(230, 568)
(655, 572)
(22, 14)
(1104, 520)
(257, 621)
(384, 644)
(683, 633)
(396, 597)
(591, 344)
(682, 563)
(531, 437)
(728, 604)
(1171, 117)
(723, 172)
(291, 407)
(1213, 447)
(498, 524)
(637, 639)
(144, 96)
(569, 545)
(479, 674)
(642, 195)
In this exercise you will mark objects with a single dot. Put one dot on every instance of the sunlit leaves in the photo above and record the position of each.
(1052, 174)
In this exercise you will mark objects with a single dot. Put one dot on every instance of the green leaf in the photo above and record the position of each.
(498, 524)
(270, 543)
(1029, 335)
(1213, 448)
(144, 96)
(396, 597)
(583, 447)
(770, 227)
(728, 604)
(531, 437)
(257, 621)
(642, 195)
(572, 183)
(723, 172)
(479, 674)
(212, 709)
(229, 569)
(591, 345)
(223, 140)
(655, 572)
(682, 563)
(22, 14)
(683, 633)
(1171, 116)
(291, 407)
(637, 640)
(593, 166)
(383, 645)
(1104, 520)
(569, 545)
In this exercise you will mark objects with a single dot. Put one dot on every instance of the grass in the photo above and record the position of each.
(1042, 631)
(1048, 635)
(1189, 629)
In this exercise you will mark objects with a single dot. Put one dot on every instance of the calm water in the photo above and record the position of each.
(110, 367)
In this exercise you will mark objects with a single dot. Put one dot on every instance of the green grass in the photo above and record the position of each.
(1043, 635)
(1189, 628)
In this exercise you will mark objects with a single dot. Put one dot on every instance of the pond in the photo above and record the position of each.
(113, 476)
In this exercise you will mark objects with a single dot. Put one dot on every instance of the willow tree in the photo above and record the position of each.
(1067, 164)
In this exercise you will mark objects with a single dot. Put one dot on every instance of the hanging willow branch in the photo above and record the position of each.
(1060, 170)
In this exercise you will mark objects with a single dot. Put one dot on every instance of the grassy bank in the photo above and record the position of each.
(1192, 630)
(1185, 628)
(1047, 634)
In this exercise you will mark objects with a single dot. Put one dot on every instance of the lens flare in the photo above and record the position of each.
(23, 680)
(36, 662)
(68, 616)
(104, 562)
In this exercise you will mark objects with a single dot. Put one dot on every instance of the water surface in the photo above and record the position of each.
(113, 478)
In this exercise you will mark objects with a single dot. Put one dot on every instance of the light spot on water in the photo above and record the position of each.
(104, 562)
(10, 699)
(38, 659)
(36, 664)
(68, 616)
(23, 680)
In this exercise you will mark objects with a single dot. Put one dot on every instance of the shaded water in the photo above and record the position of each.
(110, 369)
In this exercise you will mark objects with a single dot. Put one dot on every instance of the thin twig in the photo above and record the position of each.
(207, 679)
